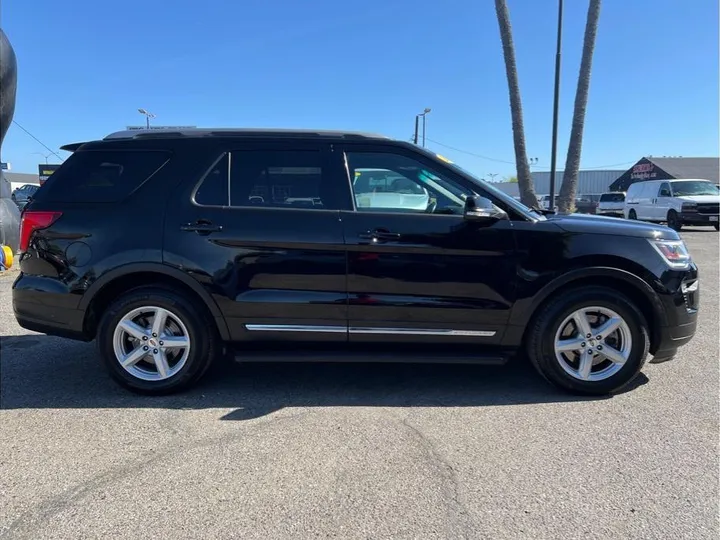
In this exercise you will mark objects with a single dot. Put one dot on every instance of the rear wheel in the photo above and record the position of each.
(155, 341)
(589, 341)
(673, 220)
(632, 215)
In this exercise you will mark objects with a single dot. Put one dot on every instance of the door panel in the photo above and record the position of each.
(275, 262)
(422, 275)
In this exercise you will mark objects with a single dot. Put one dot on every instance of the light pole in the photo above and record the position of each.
(423, 114)
(556, 105)
(492, 176)
(46, 156)
(148, 116)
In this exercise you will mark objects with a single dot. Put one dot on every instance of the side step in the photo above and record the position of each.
(494, 358)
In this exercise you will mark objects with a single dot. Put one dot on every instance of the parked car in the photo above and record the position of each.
(611, 204)
(676, 202)
(221, 260)
(22, 194)
(587, 204)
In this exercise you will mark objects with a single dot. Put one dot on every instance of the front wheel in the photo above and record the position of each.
(590, 341)
(673, 220)
(632, 215)
(156, 341)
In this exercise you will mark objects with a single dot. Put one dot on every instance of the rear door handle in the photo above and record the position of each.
(201, 227)
(379, 235)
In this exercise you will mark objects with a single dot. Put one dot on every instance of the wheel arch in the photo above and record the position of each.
(131, 276)
(632, 286)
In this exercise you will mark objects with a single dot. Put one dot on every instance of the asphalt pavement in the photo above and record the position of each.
(358, 451)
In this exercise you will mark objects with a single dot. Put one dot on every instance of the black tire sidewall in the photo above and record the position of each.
(542, 345)
(673, 220)
(202, 338)
(632, 214)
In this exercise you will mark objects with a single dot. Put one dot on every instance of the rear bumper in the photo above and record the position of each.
(47, 311)
(697, 218)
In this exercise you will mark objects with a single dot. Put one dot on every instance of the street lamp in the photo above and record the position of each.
(148, 116)
(417, 119)
(46, 156)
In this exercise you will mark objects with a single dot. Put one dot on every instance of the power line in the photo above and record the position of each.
(39, 141)
(513, 163)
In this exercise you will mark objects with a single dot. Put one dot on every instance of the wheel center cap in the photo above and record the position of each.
(153, 343)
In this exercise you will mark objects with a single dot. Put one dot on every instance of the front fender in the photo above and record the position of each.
(524, 309)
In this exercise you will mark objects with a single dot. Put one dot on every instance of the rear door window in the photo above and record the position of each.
(101, 176)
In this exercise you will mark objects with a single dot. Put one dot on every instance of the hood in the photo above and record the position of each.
(700, 198)
(594, 224)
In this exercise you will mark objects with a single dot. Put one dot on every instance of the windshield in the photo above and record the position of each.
(699, 187)
(508, 200)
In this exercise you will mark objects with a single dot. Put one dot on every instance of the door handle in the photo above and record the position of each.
(201, 226)
(379, 235)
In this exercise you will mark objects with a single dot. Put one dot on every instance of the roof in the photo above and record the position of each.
(707, 168)
(241, 132)
(24, 178)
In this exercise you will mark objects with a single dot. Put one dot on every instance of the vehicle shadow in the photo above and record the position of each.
(38, 371)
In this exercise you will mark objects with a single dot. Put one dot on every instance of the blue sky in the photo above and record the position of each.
(85, 67)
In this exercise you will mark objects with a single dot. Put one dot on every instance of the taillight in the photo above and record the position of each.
(32, 221)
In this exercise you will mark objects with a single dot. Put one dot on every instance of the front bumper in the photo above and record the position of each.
(681, 303)
(697, 218)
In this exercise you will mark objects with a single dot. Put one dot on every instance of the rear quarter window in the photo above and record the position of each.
(101, 176)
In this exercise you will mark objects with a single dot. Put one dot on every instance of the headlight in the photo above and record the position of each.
(689, 207)
(674, 252)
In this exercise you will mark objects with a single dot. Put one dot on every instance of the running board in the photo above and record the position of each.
(364, 356)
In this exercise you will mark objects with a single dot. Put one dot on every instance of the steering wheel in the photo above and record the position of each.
(431, 207)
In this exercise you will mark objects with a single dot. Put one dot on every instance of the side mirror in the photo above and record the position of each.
(482, 209)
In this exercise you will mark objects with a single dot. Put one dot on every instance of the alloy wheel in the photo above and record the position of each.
(593, 343)
(151, 343)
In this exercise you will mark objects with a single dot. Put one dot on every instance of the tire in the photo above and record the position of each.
(185, 365)
(673, 220)
(717, 226)
(606, 376)
(632, 215)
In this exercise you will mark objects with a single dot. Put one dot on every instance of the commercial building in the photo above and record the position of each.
(669, 168)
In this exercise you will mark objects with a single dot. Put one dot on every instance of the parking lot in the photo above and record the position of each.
(358, 451)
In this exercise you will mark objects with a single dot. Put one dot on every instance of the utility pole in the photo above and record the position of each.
(417, 122)
(556, 105)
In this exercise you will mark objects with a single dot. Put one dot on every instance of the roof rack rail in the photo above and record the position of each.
(239, 132)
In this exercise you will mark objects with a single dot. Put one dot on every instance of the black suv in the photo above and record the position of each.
(174, 248)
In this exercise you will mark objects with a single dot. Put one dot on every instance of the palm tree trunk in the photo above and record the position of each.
(525, 183)
(568, 191)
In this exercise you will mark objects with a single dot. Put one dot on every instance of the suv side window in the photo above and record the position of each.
(101, 176)
(214, 189)
(387, 182)
(282, 179)
(664, 190)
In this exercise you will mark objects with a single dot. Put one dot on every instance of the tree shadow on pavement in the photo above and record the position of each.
(38, 371)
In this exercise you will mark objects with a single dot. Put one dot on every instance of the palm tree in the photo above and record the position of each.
(566, 200)
(525, 183)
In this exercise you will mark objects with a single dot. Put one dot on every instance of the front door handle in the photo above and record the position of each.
(201, 226)
(379, 235)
